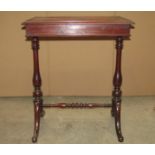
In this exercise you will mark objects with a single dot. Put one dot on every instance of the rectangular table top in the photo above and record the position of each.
(78, 26)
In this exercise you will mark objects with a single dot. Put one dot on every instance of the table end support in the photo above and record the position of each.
(117, 93)
(37, 94)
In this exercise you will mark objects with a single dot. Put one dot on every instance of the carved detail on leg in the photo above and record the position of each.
(36, 121)
(117, 82)
(117, 112)
(118, 122)
(37, 94)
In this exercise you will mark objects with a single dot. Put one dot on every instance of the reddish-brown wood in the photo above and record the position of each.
(77, 105)
(77, 26)
(117, 81)
(113, 27)
(37, 94)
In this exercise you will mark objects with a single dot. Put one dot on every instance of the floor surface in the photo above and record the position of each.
(77, 126)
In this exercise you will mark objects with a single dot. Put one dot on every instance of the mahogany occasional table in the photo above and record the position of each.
(110, 27)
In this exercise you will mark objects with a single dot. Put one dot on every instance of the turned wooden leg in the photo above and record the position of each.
(37, 94)
(117, 81)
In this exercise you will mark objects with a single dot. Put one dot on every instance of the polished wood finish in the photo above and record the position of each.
(77, 26)
(78, 105)
(112, 27)
(37, 94)
(117, 81)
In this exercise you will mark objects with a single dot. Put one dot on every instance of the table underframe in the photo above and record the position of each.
(38, 95)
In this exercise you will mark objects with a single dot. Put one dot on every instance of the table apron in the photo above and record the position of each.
(77, 30)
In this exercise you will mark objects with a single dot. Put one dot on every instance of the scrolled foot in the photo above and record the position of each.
(34, 139)
(118, 121)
